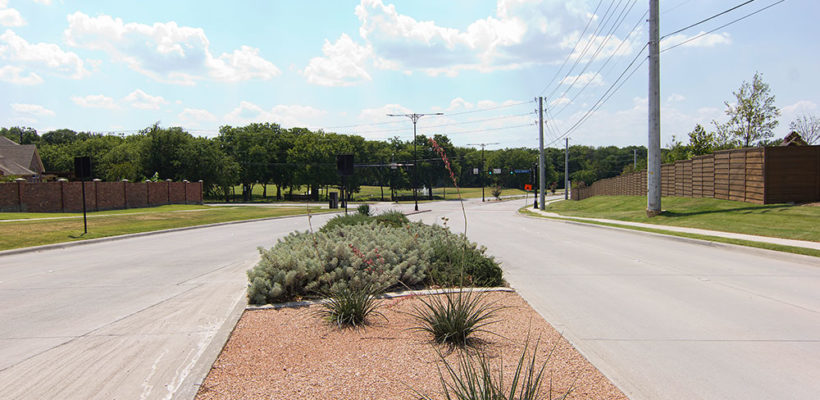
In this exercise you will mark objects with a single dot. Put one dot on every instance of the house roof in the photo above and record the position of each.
(4, 141)
(793, 139)
(20, 160)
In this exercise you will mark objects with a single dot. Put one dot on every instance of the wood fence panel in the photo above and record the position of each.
(687, 178)
(737, 175)
(697, 177)
(754, 176)
(722, 175)
(792, 174)
(708, 164)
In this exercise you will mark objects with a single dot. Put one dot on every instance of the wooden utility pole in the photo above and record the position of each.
(541, 173)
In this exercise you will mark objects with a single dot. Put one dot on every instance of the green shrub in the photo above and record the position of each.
(478, 268)
(304, 265)
(455, 316)
(392, 218)
(496, 192)
(346, 220)
(350, 307)
(472, 379)
(364, 209)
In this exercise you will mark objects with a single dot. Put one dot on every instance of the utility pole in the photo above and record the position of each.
(542, 175)
(415, 118)
(566, 169)
(653, 159)
(483, 172)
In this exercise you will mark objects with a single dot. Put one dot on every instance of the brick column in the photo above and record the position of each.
(185, 190)
(125, 193)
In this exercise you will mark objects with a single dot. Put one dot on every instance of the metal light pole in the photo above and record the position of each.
(414, 117)
(483, 172)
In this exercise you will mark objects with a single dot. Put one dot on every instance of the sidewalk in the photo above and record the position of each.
(754, 238)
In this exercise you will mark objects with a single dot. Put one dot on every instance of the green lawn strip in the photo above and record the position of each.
(374, 193)
(740, 242)
(165, 208)
(799, 222)
(19, 234)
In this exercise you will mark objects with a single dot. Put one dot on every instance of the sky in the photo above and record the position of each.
(342, 66)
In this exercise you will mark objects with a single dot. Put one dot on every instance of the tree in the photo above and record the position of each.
(701, 142)
(808, 126)
(754, 115)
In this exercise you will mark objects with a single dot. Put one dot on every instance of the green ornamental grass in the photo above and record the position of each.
(472, 379)
(452, 318)
(351, 307)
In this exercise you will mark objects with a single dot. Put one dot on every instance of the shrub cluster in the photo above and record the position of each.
(368, 253)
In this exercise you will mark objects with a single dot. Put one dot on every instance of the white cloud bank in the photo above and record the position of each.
(19, 52)
(9, 16)
(166, 52)
(32, 109)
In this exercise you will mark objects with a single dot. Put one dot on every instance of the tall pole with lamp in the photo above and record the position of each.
(414, 117)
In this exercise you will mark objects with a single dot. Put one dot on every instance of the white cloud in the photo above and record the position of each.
(194, 116)
(95, 101)
(43, 2)
(674, 98)
(33, 109)
(707, 40)
(521, 33)
(12, 74)
(166, 52)
(802, 106)
(591, 78)
(142, 100)
(343, 64)
(10, 17)
(15, 49)
(284, 115)
(560, 101)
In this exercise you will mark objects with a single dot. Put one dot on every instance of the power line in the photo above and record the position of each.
(618, 22)
(581, 37)
(707, 19)
(722, 26)
(634, 28)
(588, 43)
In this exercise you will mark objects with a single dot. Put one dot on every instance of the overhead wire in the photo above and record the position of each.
(722, 26)
(581, 37)
(706, 19)
(618, 22)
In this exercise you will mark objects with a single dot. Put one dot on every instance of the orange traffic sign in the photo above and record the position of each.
(528, 187)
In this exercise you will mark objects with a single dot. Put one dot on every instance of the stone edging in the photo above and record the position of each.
(296, 304)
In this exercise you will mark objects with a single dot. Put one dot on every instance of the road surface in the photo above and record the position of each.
(126, 319)
(664, 318)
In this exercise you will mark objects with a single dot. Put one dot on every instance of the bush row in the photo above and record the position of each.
(356, 251)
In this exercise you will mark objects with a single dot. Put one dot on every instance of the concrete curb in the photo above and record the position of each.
(190, 386)
(703, 242)
(425, 292)
(140, 234)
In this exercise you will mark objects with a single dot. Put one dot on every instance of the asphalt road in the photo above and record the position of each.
(663, 318)
(126, 319)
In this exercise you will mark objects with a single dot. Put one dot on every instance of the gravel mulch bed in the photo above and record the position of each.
(293, 354)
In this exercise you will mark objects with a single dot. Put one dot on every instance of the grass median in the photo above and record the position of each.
(19, 230)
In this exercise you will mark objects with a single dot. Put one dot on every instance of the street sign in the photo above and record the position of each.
(528, 187)
(496, 170)
(475, 171)
(522, 171)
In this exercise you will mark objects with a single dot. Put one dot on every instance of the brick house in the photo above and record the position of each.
(20, 160)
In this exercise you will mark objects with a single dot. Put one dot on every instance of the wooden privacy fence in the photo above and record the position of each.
(761, 175)
(67, 196)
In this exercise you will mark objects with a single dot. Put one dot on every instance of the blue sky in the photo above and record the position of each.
(342, 65)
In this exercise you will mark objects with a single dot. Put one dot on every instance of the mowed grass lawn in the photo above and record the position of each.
(46, 228)
(373, 193)
(801, 222)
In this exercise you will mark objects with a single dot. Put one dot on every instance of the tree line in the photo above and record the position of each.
(296, 159)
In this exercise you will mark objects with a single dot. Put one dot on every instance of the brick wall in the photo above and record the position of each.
(67, 196)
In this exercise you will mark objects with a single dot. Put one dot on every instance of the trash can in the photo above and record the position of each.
(334, 200)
